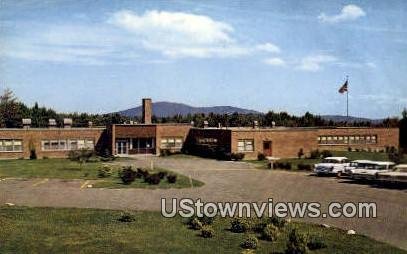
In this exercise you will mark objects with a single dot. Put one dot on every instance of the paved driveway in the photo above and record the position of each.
(225, 181)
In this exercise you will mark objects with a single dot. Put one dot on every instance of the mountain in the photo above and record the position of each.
(165, 109)
(351, 119)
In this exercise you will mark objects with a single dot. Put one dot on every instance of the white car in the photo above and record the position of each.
(398, 175)
(356, 164)
(331, 166)
(370, 171)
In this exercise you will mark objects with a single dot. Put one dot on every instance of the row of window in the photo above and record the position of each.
(171, 142)
(245, 145)
(64, 145)
(359, 139)
(11, 145)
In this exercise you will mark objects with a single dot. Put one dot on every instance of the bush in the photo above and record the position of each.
(237, 156)
(142, 173)
(126, 217)
(127, 175)
(261, 157)
(301, 166)
(326, 153)
(240, 225)
(153, 179)
(162, 174)
(315, 243)
(195, 223)
(171, 178)
(207, 232)
(270, 233)
(282, 165)
(207, 220)
(278, 222)
(33, 154)
(105, 171)
(315, 154)
(165, 152)
(297, 243)
(300, 153)
(250, 242)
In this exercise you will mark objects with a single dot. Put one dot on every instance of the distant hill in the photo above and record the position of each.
(351, 119)
(165, 109)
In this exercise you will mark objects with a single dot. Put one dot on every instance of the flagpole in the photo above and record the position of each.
(347, 99)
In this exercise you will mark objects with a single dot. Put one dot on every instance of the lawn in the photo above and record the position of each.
(66, 169)
(56, 230)
(350, 155)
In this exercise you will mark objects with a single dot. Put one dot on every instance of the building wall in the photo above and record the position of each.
(222, 137)
(32, 138)
(285, 143)
(171, 131)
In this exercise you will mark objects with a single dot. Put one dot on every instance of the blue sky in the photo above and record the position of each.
(103, 56)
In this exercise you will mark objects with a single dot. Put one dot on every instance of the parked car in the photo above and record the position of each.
(398, 175)
(369, 171)
(356, 164)
(331, 166)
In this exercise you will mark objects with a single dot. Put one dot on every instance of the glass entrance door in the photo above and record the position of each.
(122, 147)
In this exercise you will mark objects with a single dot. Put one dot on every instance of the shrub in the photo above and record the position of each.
(278, 222)
(195, 223)
(126, 217)
(282, 165)
(127, 175)
(240, 225)
(171, 178)
(315, 154)
(300, 153)
(307, 167)
(165, 152)
(237, 156)
(349, 149)
(153, 179)
(261, 157)
(142, 173)
(33, 154)
(105, 171)
(315, 243)
(207, 220)
(250, 242)
(45, 157)
(162, 174)
(297, 243)
(270, 232)
(207, 231)
(326, 153)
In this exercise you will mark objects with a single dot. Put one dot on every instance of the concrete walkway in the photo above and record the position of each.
(225, 182)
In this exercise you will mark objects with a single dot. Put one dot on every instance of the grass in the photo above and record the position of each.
(66, 169)
(67, 230)
(350, 155)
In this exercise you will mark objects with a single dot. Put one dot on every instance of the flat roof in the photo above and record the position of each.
(53, 129)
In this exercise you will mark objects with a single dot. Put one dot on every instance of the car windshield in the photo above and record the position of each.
(330, 161)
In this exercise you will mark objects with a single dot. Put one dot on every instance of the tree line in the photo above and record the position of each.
(12, 111)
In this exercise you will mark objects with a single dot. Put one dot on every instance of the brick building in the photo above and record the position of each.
(149, 138)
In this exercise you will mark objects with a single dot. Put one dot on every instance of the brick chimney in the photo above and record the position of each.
(147, 111)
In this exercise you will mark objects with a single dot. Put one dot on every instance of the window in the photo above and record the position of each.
(11, 145)
(245, 145)
(340, 140)
(171, 142)
(65, 145)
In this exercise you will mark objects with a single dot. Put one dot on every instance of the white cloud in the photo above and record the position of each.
(315, 63)
(126, 37)
(178, 34)
(275, 61)
(268, 47)
(348, 13)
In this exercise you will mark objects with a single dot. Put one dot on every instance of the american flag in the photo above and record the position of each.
(344, 87)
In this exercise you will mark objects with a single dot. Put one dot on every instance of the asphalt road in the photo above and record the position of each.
(226, 181)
